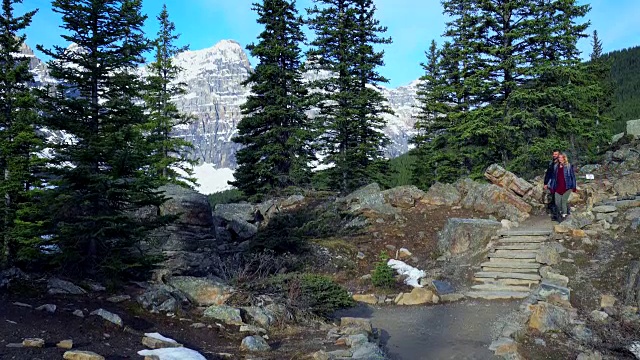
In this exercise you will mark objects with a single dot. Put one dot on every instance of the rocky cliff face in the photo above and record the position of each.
(214, 95)
(215, 92)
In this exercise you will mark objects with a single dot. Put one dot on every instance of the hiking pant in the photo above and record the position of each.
(562, 202)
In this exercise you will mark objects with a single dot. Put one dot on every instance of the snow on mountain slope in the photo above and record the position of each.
(214, 77)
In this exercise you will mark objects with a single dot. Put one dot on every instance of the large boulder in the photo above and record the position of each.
(462, 235)
(628, 185)
(227, 314)
(202, 291)
(368, 199)
(633, 128)
(508, 180)
(163, 298)
(492, 199)
(235, 221)
(417, 296)
(191, 207)
(547, 317)
(403, 196)
(442, 194)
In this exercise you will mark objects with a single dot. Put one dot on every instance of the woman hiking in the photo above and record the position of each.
(562, 184)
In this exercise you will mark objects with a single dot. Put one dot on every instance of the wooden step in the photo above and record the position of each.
(519, 246)
(523, 239)
(506, 233)
(502, 275)
(511, 264)
(508, 269)
(513, 254)
(492, 287)
(497, 295)
(503, 282)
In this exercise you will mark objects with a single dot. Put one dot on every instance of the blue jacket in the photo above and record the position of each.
(569, 178)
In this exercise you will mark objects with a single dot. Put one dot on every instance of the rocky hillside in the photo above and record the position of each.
(214, 94)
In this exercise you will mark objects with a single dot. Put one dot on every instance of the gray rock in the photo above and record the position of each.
(118, 298)
(403, 196)
(548, 255)
(109, 316)
(604, 209)
(591, 355)
(442, 194)
(192, 207)
(492, 199)
(632, 214)
(252, 329)
(443, 287)
(599, 316)
(227, 314)
(356, 340)
(547, 317)
(162, 298)
(368, 351)
(254, 344)
(583, 334)
(57, 286)
(358, 323)
(578, 221)
(547, 288)
(368, 198)
(11, 274)
(50, 308)
(78, 313)
(628, 185)
(635, 224)
(260, 316)
(633, 128)
(202, 291)
(463, 235)
(238, 211)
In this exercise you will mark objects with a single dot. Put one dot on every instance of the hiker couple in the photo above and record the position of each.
(560, 180)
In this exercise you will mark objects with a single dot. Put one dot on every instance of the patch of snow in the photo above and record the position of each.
(211, 180)
(157, 336)
(173, 354)
(413, 274)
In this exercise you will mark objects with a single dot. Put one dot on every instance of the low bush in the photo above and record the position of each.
(383, 275)
(305, 295)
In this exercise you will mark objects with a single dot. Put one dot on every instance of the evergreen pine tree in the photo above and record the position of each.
(596, 44)
(19, 143)
(275, 132)
(101, 171)
(350, 111)
(523, 89)
(168, 153)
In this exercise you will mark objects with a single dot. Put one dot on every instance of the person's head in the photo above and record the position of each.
(563, 159)
(556, 153)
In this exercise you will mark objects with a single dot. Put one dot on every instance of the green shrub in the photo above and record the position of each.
(304, 294)
(383, 274)
(226, 197)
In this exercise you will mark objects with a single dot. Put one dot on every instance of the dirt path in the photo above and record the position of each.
(448, 331)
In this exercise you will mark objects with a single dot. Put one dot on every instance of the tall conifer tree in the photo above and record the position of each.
(19, 142)
(168, 153)
(101, 171)
(350, 111)
(275, 132)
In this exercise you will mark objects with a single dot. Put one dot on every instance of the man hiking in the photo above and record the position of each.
(551, 206)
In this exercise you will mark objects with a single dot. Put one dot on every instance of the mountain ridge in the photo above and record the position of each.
(214, 93)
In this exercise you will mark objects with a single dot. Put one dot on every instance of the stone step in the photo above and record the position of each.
(519, 246)
(501, 260)
(511, 264)
(508, 270)
(502, 275)
(497, 295)
(492, 287)
(523, 239)
(506, 233)
(503, 282)
(513, 254)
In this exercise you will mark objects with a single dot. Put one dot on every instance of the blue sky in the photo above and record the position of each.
(412, 24)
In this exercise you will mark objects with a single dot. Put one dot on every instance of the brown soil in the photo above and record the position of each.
(94, 334)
